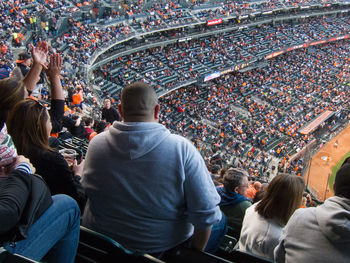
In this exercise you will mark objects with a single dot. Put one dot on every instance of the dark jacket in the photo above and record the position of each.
(233, 205)
(110, 115)
(23, 199)
(60, 179)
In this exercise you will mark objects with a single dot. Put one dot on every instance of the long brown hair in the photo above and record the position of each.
(26, 124)
(282, 197)
(11, 92)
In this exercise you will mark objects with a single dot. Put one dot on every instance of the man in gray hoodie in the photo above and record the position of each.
(148, 189)
(320, 234)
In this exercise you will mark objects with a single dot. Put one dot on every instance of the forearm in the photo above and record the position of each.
(200, 238)
(56, 88)
(32, 77)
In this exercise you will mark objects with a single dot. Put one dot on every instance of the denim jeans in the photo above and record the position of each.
(54, 236)
(218, 231)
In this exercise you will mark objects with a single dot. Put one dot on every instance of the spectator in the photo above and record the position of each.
(253, 189)
(263, 222)
(53, 242)
(30, 126)
(155, 168)
(89, 123)
(320, 234)
(78, 98)
(109, 113)
(233, 201)
(75, 125)
(215, 176)
(23, 62)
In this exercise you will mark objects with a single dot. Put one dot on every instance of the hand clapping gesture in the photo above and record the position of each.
(40, 53)
(55, 66)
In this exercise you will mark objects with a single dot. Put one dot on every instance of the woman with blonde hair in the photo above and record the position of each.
(263, 222)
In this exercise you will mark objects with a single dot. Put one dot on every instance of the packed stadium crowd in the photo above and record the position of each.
(241, 128)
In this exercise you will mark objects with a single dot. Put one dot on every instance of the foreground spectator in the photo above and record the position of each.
(320, 234)
(263, 222)
(165, 194)
(29, 124)
(50, 230)
(233, 201)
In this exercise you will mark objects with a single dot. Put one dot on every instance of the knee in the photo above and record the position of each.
(66, 204)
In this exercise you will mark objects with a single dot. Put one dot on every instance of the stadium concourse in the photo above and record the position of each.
(248, 83)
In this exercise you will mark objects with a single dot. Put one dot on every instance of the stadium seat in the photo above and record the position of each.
(239, 256)
(188, 255)
(98, 248)
(6, 257)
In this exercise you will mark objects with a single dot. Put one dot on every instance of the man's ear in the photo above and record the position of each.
(236, 189)
(120, 110)
(156, 112)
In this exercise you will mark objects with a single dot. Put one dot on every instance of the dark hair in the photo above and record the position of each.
(342, 181)
(88, 121)
(11, 92)
(215, 168)
(233, 178)
(282, 197)
(26, 124)
(100, 126)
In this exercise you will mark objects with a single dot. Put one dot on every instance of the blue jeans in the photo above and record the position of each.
(218, 231)
(54, 236)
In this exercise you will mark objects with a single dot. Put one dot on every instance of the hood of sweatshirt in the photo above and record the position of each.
(133, 140)
(231, 198)
(333, 217)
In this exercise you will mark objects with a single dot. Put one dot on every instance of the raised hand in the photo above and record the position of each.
(40, 53)
(55, 66)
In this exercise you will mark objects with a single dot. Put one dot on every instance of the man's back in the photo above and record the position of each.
(145, 187)
(319, 234)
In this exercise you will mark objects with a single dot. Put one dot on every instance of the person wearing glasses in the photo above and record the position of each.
(233, 201)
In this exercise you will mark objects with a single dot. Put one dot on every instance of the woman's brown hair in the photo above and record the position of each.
(11, 92)
(282, 197)
(26, 124)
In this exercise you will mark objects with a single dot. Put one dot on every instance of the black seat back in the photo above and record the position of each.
(98, 248)
(6, 257)
(188, 255)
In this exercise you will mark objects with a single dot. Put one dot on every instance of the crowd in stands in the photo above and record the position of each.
(169, 66)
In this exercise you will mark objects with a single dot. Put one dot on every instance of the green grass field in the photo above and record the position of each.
(335, 170)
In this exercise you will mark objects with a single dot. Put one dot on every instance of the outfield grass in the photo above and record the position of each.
(335, 170)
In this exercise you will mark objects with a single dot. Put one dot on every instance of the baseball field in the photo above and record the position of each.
(322, 171)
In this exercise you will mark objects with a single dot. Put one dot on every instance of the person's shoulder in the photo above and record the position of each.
(301, 214)
(244, 204)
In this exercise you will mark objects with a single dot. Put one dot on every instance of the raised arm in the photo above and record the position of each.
(39, 54)
(57, 97)
(53, 74)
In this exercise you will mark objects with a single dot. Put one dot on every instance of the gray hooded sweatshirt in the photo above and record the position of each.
(146, 187)
(320, 234)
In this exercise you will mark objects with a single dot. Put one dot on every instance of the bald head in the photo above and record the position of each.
(139, 103)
